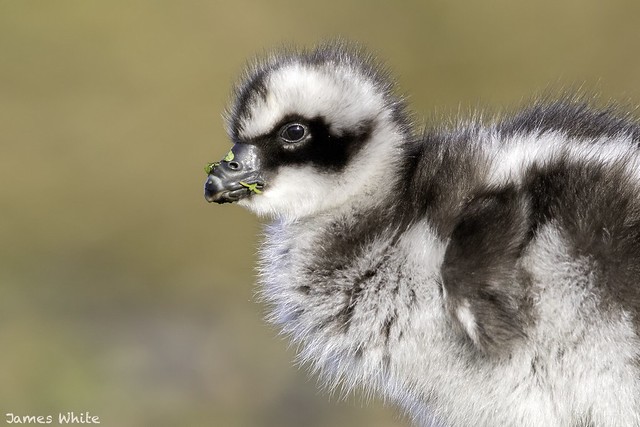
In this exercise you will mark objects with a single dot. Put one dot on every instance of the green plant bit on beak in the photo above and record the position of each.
(210, 167)
(252, 187)
(229, 156)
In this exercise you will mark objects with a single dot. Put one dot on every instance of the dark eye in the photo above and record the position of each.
(293, 132)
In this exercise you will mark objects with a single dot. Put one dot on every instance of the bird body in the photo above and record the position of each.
(485, 275)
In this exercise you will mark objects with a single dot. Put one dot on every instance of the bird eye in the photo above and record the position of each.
(293, 132)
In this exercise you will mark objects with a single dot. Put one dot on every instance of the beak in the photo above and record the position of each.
(235, 177)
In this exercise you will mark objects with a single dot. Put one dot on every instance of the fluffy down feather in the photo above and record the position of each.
(481, 275)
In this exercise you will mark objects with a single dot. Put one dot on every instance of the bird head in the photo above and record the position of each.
(311, 131)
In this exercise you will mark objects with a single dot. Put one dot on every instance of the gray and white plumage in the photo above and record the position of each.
(484, 275)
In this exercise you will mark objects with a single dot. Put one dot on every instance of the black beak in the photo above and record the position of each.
(235, 177)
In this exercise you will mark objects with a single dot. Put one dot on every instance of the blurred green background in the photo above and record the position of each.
(116, 296)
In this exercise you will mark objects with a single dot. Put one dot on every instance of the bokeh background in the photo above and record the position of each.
(122, 292)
